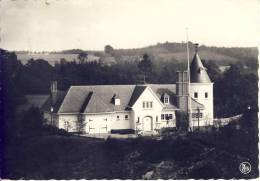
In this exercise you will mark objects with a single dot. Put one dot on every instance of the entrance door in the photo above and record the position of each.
(147, 123)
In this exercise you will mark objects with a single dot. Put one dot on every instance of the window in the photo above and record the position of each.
(126, 117)
(206, 95)
(162, 116)
(156, 118)
(117, 116)
(138, 120)
(195, 115)
(170, 116)
(195, 95)
(147, 105)
(166, 100)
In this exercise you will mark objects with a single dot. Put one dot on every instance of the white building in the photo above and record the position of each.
(141, 108)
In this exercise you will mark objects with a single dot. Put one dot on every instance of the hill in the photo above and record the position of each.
(160, 52)
(177, 52)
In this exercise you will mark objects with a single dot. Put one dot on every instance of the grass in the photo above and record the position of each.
(197, 155)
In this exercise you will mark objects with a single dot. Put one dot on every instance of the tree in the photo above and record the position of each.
(182, 122)
(32, 122)
(35, 76)
(145, 65)
(108, 49)
(80, 125)
(165, 76)
(235, 92)
(11, 94)
(212, 69)
(82, 56)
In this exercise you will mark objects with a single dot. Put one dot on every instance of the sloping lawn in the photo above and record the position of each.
(197, 155)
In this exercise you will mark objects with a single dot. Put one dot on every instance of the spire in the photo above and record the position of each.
(198, 73)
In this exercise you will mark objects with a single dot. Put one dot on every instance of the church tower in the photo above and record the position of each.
(201, 91)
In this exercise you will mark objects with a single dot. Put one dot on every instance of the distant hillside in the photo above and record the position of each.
(177, 51)
(53, 58)
(161, 52)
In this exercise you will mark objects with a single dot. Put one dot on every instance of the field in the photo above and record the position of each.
(204, 54)
(51, 58)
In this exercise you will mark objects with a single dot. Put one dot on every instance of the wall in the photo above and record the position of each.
(104, 123)
(168, 123)
(70, 119)
(154, 112)
(201, 88)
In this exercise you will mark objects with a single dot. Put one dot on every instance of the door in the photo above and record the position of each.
(147, 123)
(98, 126)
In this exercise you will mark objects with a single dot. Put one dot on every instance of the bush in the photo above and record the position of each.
(53, 130)
(182, 120)
(168, 131)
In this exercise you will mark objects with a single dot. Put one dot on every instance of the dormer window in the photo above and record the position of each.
(116, 100)
(166, 98)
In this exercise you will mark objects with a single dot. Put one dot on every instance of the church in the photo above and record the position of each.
(141, 109)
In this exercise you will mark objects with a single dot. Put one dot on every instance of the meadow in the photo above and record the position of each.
(52, 58)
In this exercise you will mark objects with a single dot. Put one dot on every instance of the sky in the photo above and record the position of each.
(52, 25)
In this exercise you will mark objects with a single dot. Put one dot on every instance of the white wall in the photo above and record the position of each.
(101, 123)
(201, 88)
(141, 112)
(72, 122)
(121, 123)
(168, 123)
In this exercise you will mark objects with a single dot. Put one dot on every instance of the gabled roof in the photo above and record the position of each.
(198, 73)
(98, 98)
(32, 100)
(195, 104)
(139, 89)
(169, 89)
(47, 105)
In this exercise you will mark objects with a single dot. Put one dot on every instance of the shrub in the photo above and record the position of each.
(182, 120)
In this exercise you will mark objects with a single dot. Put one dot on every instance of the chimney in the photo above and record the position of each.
(182, 87)
(54, 92)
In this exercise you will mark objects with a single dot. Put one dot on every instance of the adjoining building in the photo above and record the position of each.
(143, 108)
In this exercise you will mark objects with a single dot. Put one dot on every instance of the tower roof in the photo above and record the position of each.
(198, 73)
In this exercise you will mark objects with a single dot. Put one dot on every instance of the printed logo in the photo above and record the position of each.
(245, 167)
